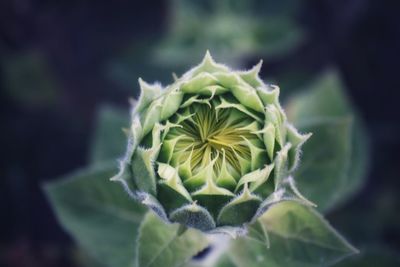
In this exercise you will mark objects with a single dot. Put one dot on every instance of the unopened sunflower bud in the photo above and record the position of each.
(211, 151)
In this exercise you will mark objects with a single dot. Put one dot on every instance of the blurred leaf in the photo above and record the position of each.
(322, 173)
(161, 244)
(267, 28)
(359, 159)
(258, 232)
(299, 237)
(29, 80)
(373, 258)
(98, 214)
(137, 61)
(109, 141)
(283, 7)
(225, 261)
(334, 160)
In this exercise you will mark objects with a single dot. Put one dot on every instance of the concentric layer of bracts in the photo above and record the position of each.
(211, 151)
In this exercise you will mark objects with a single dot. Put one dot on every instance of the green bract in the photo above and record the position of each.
(213, 150)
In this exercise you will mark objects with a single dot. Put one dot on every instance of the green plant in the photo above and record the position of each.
(214, 152)
(267, 28)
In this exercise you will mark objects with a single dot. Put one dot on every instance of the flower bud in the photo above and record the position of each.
(211, 151)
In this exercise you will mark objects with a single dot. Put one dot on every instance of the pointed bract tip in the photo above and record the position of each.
(115, 178)
(208, 57)
(274, 87)
(194, 207)
(307, 136)
(255, 70)
(302, 198)
(258, 66)
(142, 83)
(246, 191)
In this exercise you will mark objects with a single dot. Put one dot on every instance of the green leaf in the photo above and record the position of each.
(338, 143)
(257, 232)
(194, 216)
(359, 159)
(161, 244)
(196, 26)
(299, 236)
(109, 141)
(322, 173)
(98, 214)
(240, 210)
(142, 167)
(225, 261)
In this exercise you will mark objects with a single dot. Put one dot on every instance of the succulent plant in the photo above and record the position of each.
(213, 150)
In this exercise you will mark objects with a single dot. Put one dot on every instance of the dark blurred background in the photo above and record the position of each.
(61, 60)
